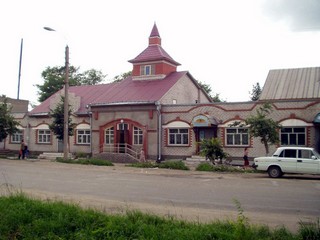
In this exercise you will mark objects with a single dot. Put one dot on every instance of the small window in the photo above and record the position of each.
(137, 136)
(83, 137)
(147, 70)
(293, 136)
(178, 136)
(237, 137)
(174, 101)
(44, 136)
(109, 135)
(17, 137)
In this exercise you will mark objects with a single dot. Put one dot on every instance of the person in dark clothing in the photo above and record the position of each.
(245, 158)
(22, 150)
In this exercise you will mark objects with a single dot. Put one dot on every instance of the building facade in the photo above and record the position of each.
(165, 112)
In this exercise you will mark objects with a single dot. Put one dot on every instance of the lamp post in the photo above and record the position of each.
(66, 101)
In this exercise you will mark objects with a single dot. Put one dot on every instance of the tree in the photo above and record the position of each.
(57, 125)
(54, 78)
(122, 76)
(207, 88)
(91, 77)
(256, 92)
(263, 127)
(8, 125)
(212, 149)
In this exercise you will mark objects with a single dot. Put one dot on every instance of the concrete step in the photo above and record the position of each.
(52, 155)
(196, 158)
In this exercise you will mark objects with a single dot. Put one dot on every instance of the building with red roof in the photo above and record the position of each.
(164, 113)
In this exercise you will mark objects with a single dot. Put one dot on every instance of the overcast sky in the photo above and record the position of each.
(229, 44)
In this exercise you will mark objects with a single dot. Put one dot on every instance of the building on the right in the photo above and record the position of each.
(294, 95)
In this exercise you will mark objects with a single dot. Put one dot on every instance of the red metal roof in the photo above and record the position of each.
(154, 31)
(154, 53)
(126, 91)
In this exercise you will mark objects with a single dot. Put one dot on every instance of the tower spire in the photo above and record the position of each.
(154, 38)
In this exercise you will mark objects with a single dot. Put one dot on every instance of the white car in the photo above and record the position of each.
(290, 160)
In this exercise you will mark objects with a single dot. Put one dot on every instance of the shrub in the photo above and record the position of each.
(205, 167)
(173, 165)
(212, 149)
(142, 165)
(169, 164)
(222, 168)
(310, 230)
(87, 161)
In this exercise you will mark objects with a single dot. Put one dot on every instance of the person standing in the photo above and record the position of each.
(246, 158)
(22, 150)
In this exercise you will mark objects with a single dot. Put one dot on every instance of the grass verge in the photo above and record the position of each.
(169, 164)
(222, 168)
(87, 161)
(26, 218)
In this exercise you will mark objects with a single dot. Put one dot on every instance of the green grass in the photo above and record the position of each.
(87, 161)
(222, 168)
(26, 218)
(170, 164)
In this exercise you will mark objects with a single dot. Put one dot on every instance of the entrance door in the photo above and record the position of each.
(122, 136)
(60, 146)
(204, 133)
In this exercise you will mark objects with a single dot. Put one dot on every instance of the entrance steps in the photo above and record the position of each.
(194, 161)
(52, 155)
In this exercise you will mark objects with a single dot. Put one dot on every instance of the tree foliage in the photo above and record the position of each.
(263, 127)
(54, 78)
(207, 88)
(122, 76)
(212, 149)
(8, 125)
(57, 125)
(256, 92)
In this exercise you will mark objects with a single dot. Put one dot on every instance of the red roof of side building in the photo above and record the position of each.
(126, 91)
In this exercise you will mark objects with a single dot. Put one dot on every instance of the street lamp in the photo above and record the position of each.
(66, 102)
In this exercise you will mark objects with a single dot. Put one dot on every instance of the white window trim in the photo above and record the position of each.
(88, 136)
(20, 133)
(182, 144)
(236, 145)
(137, 134)
(111, 136)
(305, 135)
(38, 136)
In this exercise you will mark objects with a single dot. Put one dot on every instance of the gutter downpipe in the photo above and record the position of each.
(90, 115)
(158, 105)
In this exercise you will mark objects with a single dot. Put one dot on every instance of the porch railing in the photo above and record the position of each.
(122, 148)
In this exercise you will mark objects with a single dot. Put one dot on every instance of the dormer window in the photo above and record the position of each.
(147, 70)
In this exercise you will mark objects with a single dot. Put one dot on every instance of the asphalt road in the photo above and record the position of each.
(191, 195)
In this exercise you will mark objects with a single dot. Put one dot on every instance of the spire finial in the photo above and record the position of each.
(155, 32)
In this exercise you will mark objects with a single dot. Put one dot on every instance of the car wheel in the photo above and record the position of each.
(274, 172)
